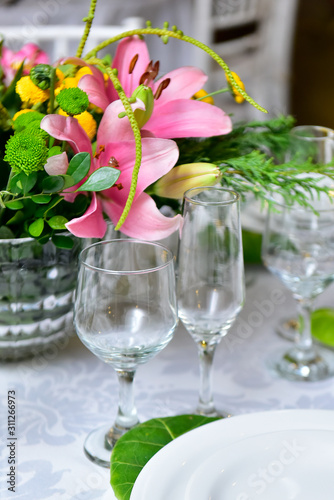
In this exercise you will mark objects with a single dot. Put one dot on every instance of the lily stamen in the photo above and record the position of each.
(163, 85)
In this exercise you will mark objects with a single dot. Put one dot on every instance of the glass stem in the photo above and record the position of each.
(305, 307)
(127, 413)
(206, 353)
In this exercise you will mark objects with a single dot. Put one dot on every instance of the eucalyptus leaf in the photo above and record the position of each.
(23, 183)
(41, 198)
(135, 448)
(79, 166)
(53, 184)
(14, 204)
(57, 222)
(62, 241)
(36, 228)
(102, 178)
(6, 233)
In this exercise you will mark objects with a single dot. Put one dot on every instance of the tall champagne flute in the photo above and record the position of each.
(315, 144)
(298, 248)
(125, 312)
(210, 276)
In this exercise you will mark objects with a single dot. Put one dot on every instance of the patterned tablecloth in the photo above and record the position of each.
(64, 394)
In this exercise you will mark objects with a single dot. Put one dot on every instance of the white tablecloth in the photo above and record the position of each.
(66, 393)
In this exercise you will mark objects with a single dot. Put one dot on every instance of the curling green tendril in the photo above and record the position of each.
(136, 132)
(89, 21)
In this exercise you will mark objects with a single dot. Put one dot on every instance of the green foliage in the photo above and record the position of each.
(251, 159)
(133, 450)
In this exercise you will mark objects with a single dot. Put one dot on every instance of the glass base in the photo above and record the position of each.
(288, 329)
(211, 412)
(100, 442)
(297, 365)
(97, 447)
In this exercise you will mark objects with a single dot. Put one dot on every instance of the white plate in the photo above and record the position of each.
(276, 455)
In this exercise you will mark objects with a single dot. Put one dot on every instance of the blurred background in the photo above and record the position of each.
(282, 49)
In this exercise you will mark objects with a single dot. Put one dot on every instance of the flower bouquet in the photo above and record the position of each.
(87, 138)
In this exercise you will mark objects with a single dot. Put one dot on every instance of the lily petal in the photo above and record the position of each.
(91, 224)
(159, 157)
(57, 165)
(125, 52)
(184, 83)
(66, 128)
(144, 220)
(95, 90)
(189, 118)
(115, 129)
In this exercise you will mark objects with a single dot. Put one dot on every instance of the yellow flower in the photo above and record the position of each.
(202, 93)
(236, 94)
(22, 112)
(84, 70)
(86, 121)
(29, 92)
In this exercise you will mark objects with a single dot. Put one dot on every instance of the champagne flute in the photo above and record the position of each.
(298, 248)
(316, 144)
(125, 312)
(210, 276)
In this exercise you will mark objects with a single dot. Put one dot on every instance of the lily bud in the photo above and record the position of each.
(145, 95)
(183, 177)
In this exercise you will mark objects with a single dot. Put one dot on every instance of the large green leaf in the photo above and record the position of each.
(133, 450)
(102, 178)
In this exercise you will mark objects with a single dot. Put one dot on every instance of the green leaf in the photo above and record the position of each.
(41, 198)
(6, 233)
(61, 241)
(53, 184)
(79, 166)
(23, 183)
(14, 204)
(133, 450)
(36, 228)
(55, 150)
(101, 179)
(322, 325)
(251, 243)
(57, 222)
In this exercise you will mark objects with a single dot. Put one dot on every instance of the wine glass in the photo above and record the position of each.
(298, 248)
(210, 276)
(125, 312)
(316, 144)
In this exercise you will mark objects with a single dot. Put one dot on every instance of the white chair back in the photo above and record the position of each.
(60, 41)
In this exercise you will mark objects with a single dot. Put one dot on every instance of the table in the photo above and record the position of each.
(64, 394)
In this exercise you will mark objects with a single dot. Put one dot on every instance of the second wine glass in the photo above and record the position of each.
(210, 276)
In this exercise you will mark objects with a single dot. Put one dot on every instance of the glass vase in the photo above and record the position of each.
(36, 295)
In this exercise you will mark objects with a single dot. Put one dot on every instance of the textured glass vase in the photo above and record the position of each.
(36, 295)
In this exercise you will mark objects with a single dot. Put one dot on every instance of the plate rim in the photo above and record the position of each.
(236, 428)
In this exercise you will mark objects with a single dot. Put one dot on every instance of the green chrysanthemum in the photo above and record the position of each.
(29, 121)
(26, 152)
(73, 101)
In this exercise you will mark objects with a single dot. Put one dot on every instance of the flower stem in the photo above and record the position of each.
(180, 36)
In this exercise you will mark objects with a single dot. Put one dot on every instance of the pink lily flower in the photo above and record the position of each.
(30, 53)
(116, 147)
(175, 114)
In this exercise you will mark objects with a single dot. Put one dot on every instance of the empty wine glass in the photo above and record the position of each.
(210, 276)
(316, 144)
(125, 313)
(298, 248)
